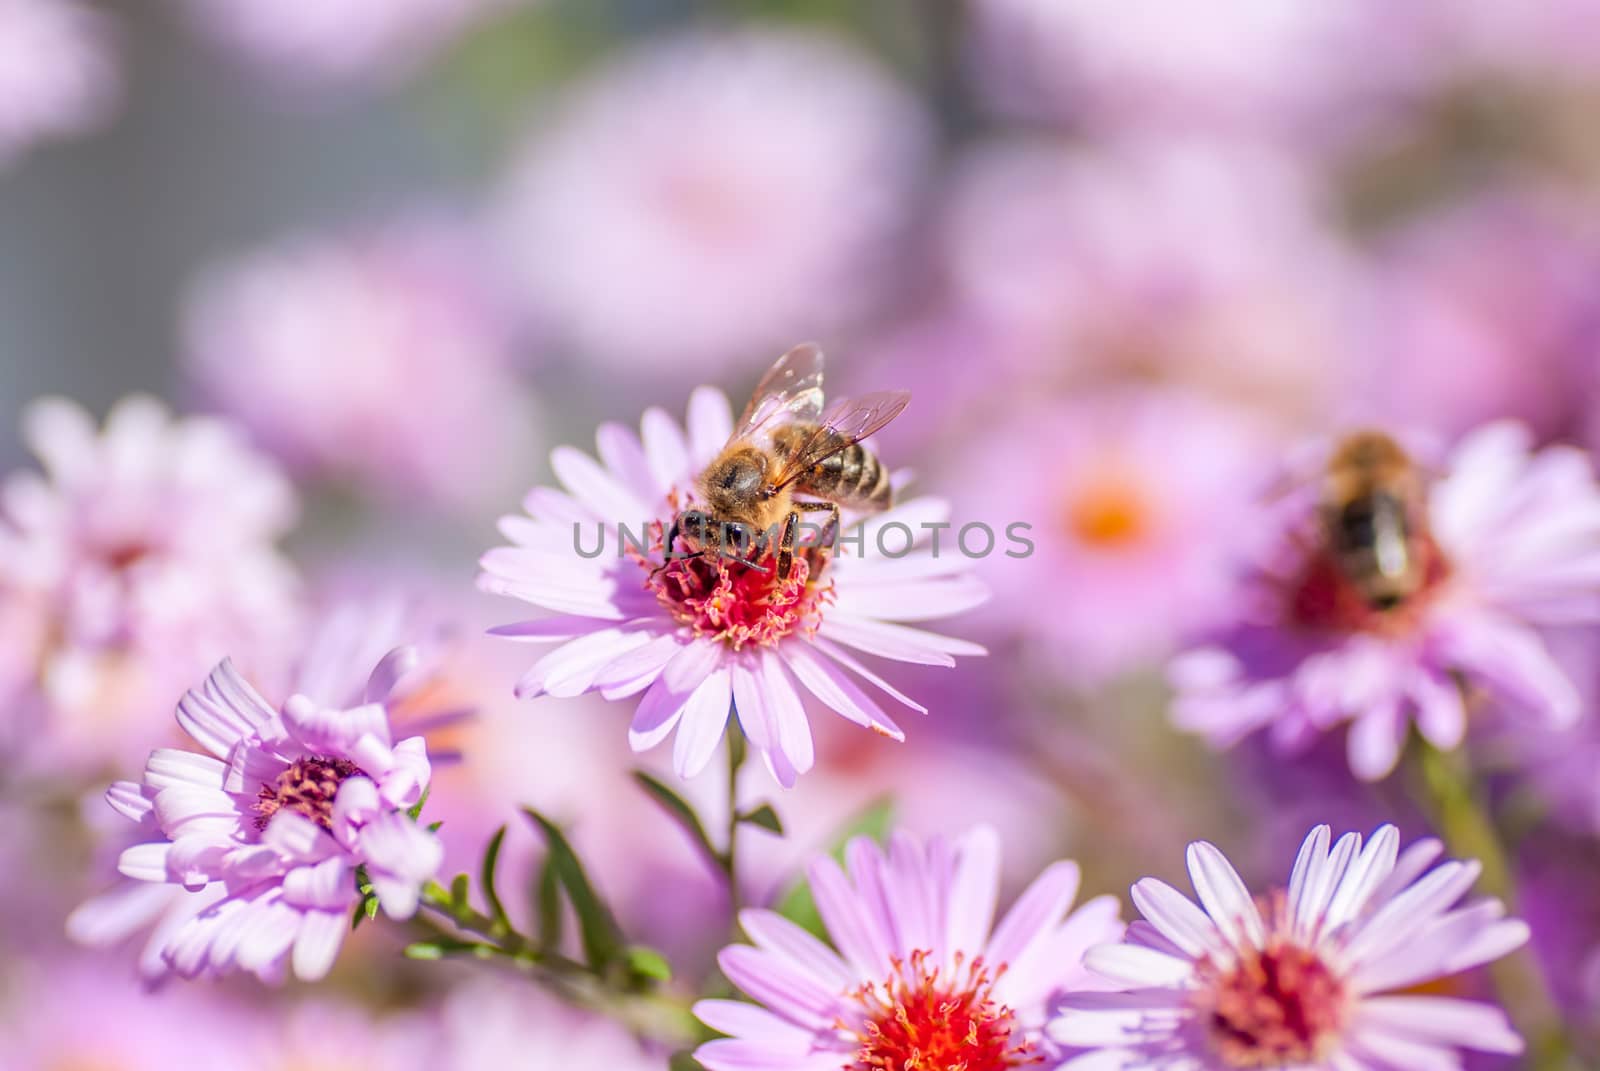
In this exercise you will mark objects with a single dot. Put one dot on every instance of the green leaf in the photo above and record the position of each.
(597, 927)
(371, 905)
(796, 903)
(680, 811)
(440, 947)
(425, 950)
(415, 810)
(433, 827)
(765, 817)
(684, 1061)
(491, 862)
(648, 963)
(547, 905)
(359, 915)
(460, 889)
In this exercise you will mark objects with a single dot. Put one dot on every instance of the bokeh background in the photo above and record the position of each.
(1126, 257)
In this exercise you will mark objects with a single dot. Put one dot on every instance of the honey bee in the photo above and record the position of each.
(1373, 519)
(787, 456)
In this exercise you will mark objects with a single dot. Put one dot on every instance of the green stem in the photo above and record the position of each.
(654, 1015)
(1449, 794)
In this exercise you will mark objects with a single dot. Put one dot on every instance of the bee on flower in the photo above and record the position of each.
(1388, 596)
(732, 605)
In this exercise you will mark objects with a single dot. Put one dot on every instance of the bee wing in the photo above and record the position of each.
(845, 423)
(791, 390)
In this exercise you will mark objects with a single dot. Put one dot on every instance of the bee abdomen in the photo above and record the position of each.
(852, 477)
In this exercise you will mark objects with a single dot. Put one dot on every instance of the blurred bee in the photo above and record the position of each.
(787, 456)
(1373, 519)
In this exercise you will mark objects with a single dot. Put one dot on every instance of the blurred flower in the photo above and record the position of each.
(694, 633)
(1315, 975)
(328, 1034)
(1513, 549)
(379, 356)
(128, 567)
(1255, 67)
(1554, 41)
(281, 813)
(714, 196)
(1178, 260)
(1133, 500)
(356, 645)
(918, 975)
(336, 42)
(58, 77)
(1482, 309)
(512, 1025)
(65, 1014)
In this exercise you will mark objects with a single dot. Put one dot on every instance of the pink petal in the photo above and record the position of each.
(837, 691)
(705, 716)
(317, 943)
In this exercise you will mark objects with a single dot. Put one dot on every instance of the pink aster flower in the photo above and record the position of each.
(1256, 67)
(338, 42)
(1314, 977)
(695, 633)
(139, 556)
(355, 649)
(715, 195)
(1511, 542)
(1130, 498)
(918, 975)
(57, 75)
(279, 814)
(1210, 265)
(410, 314)
(1482, 310)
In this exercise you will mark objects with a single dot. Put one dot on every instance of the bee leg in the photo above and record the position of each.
(830, 529)
(791, 525)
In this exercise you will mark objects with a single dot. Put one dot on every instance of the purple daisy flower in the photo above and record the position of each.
(1511, 538)
(696, 634)
(920, 972)
(273, 822)
(1313, 977)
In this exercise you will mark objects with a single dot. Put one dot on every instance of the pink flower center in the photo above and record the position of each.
(738, 603)
(919, 1021)
(307, 787)
(1276, 1006)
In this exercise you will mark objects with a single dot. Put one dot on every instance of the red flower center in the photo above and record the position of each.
(1274, 1007)
(920, 1021)
(1322, 598)
(739, 602)
(307, 787)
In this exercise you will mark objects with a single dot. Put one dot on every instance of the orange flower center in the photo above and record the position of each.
(920, 1021)
(1108, 513)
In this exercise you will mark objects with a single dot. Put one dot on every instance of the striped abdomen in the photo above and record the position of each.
(851, 476)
